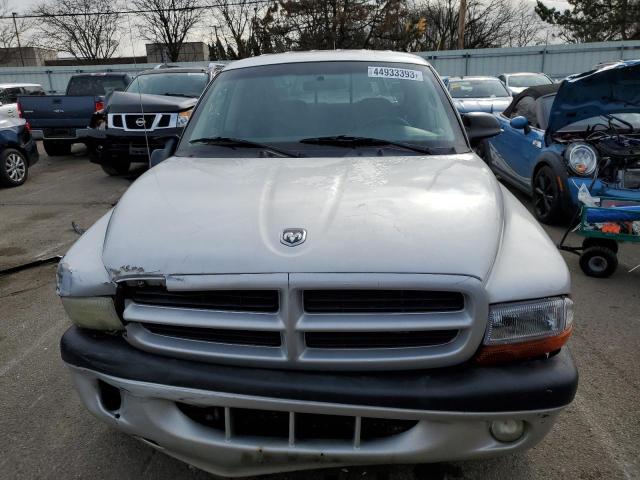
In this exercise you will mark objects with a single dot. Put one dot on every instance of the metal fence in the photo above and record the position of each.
(54, 79)
(554, 60)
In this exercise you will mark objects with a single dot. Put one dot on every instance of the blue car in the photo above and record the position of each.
(584, 131)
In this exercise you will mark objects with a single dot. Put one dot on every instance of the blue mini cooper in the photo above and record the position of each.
(558, 137)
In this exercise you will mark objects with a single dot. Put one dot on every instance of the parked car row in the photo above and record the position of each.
(491, 94)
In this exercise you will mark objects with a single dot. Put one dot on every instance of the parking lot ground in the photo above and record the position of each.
(46, 433)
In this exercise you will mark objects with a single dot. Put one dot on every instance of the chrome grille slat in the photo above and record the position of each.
(370, 340)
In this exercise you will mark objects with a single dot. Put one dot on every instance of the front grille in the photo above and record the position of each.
(351, 340)
(381, 301)
(217, 335)
(294, 426)
(301, 321)
(263, 301)
(117, 121)
(131, 121)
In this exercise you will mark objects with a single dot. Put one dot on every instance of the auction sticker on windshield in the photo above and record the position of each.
(401, 73)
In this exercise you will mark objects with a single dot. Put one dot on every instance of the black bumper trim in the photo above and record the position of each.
(532, 385)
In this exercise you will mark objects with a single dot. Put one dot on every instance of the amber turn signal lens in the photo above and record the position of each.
(493, 354)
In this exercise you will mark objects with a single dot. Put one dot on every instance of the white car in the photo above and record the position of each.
(518, 82)
(9, 93)
(321, 273)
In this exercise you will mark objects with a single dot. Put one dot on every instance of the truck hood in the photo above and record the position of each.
(414, 214)
(609, 90)
(125, 102)
(489, 105)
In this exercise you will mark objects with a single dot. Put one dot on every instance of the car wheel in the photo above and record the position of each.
(483, 150)
(14, 168)
(599, 262)
(56, 149)
(547, 199)
(116, 168)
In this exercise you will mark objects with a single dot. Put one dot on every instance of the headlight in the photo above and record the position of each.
(96, 313)
(183, 118)
(582, 158)
(526, 329)
(522, 321)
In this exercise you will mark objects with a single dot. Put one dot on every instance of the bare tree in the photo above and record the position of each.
(235, 34)
(168, 22)
(72, 26)
(526, 28)
(8, 34)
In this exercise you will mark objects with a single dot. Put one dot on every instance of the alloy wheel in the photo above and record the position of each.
(544, 195)
(15, 167)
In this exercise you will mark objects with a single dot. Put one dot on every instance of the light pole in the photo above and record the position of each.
(15, 25)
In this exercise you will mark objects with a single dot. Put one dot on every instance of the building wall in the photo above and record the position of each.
(32, 56)
(190, 52)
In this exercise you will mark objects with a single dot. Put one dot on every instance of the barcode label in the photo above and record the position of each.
(400, 73)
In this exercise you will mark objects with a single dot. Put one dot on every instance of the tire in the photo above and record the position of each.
(483, 150)
(599, 262)
(113, 168)
(547, 198)
(56, 149)
(600, 242)
(14, 168)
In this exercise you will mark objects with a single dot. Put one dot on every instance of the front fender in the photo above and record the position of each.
(528, 264)
(81, 272)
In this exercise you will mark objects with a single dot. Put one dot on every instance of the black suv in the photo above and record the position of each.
(155, 106)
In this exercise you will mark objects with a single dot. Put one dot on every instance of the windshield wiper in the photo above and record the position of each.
(184, 95)
(239, 142)
(349, 141)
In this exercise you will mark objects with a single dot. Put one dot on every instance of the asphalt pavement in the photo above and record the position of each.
(46, 433)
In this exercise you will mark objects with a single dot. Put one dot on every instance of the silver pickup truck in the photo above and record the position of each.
(321, 272)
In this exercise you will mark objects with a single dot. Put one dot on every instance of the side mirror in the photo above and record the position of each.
(161, 154)
(520, 123)
(480, 125)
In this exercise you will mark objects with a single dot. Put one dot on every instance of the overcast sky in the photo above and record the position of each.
(130, 46)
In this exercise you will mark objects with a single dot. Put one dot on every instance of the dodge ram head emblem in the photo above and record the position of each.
(140, 122)
(293, 236)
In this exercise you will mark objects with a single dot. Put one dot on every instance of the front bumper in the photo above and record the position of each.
(600, 189)
(452, 408)
(116, 145)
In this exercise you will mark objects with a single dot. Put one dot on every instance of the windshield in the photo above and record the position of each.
(95, 85)
(529, 80)
(293, 105)
(181, 84)
(488, 88)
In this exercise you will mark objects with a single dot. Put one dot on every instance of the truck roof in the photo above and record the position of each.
(329, 56)
(12, 85)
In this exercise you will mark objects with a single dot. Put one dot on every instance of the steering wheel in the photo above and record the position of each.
(386, 120)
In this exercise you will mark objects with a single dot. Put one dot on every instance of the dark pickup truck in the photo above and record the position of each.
(61, 120)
